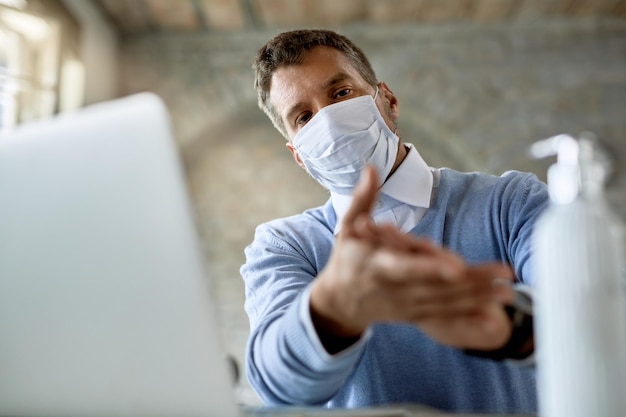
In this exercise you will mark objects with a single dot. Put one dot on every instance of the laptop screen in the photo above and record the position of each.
(105, 306)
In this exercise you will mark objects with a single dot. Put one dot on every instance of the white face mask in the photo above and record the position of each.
(341, 139)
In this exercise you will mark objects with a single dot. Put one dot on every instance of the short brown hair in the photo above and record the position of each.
(289, 48)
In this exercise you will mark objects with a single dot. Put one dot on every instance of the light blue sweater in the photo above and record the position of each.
(482, 217)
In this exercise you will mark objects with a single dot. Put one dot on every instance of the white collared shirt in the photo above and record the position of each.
(404, 197)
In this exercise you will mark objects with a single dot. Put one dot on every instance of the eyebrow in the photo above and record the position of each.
(335, 79)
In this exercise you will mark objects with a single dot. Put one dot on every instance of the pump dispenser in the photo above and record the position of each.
(580, 326)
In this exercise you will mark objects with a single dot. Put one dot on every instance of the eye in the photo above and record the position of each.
(342, 93)
(303, 118)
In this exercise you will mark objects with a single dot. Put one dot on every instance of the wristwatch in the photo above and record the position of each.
(521, 344)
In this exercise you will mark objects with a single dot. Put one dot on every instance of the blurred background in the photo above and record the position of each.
(478, 81)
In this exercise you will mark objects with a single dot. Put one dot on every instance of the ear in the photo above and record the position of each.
(295, 154)
(386, 92)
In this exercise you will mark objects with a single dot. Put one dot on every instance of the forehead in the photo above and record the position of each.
(292, 84)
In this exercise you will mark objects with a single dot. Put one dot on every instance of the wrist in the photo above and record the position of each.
(335, 334)
(521, 342)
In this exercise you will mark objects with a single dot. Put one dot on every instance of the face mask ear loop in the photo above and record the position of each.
(376, 95)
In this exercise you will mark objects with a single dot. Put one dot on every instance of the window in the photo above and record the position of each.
(40, 72)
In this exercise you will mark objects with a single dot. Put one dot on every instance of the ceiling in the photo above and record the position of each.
(145, 16)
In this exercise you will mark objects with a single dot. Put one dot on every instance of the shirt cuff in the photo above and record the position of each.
(307, 323)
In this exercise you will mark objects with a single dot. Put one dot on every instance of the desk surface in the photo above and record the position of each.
(396, 411)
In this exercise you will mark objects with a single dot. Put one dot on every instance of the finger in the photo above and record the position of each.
(390, 236)
(420, 286)
(434, 299)
(456, 266)
(486, 330)
(501, 277)
(493, 270)
(363, 199)
(414, 268)
(365, 229)
(485, 283)
(426, 314)
(437, 261)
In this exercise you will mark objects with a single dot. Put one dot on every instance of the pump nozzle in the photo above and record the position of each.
(563, 176)
(579, 169)
(565, 147)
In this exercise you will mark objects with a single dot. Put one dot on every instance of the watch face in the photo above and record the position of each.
(523, 300)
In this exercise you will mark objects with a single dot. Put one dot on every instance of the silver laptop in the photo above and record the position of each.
(105, 307)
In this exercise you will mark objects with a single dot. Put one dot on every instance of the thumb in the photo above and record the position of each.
(363, 198)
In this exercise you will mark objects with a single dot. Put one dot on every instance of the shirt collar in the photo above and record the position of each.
(411, 183)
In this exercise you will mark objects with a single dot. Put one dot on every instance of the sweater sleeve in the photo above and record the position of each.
(285, 362)
(524, 199)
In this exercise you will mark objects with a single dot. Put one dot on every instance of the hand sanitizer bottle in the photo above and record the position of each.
(580, 327)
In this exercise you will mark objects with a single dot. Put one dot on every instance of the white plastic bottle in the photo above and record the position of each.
(580, 326)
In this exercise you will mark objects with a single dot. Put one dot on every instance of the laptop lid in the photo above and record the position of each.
(105, 307)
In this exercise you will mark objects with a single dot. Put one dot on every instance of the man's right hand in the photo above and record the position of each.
(378, 274)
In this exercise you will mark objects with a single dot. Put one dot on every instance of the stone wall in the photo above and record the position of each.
(472, 97)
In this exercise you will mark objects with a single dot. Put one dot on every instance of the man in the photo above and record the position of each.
(357, 303)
